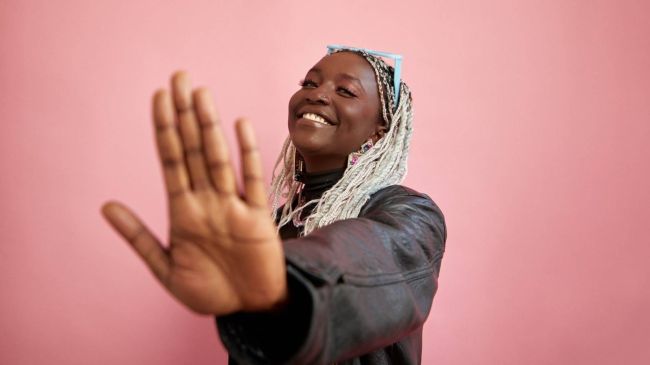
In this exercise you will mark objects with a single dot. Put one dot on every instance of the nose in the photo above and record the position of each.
(318, 96)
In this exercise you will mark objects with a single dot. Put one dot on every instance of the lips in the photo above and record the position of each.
(315, 116)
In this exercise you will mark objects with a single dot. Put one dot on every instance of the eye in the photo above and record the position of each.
(307, 84)
(346, 92)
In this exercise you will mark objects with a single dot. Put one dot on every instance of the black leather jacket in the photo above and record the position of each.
(360, 289)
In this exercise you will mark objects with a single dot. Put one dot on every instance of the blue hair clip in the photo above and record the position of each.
(397, 74)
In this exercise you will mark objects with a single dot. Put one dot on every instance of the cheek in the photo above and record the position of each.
(293, 102)
(361, 120)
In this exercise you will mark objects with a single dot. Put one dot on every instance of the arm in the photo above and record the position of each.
(355, 286)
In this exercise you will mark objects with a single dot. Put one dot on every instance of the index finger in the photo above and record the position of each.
(170, 149)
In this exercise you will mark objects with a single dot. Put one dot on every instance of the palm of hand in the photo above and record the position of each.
(224, 254)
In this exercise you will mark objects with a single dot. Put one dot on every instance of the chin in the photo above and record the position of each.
(307, 148)
(308, 143)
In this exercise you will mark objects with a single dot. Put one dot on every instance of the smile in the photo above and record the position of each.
(315, 118)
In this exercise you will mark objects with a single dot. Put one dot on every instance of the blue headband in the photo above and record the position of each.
(397, 74)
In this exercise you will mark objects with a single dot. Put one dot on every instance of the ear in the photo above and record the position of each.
(380, 131)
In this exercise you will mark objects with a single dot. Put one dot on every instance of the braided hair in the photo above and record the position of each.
(382, 165)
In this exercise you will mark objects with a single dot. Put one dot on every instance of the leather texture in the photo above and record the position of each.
(360, 289)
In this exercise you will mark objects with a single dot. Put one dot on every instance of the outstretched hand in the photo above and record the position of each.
(224, 254)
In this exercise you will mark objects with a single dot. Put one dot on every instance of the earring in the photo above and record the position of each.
(299, 167)
(354, 156)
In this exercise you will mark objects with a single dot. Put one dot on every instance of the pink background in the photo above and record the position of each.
(532, 127)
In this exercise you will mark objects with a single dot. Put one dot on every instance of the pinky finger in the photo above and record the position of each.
(131, 228)
(251, 164)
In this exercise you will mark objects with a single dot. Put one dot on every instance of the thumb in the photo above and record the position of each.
(136, 233)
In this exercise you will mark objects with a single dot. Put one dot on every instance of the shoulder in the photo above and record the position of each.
(399, 195)
(398, 190)
(398, 205)
(412, 215)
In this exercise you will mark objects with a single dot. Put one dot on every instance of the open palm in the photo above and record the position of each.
(224, 254)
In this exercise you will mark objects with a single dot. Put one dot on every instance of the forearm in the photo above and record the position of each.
(355, 286)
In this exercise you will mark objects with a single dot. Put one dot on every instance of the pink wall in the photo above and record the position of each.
(532, 128)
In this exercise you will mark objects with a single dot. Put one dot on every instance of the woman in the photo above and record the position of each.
(351, 276)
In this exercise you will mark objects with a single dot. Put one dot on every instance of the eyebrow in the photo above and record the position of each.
(342, 75)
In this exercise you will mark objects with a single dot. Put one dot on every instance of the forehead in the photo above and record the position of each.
(347, 64)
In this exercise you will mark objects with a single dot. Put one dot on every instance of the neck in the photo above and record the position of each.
(321, 165)
(318, 183)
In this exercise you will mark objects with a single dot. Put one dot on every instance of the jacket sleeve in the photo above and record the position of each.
(355, 286)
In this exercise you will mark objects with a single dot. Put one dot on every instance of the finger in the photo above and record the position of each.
(189, 130)
(138, 235)
(215, 148)
(251, 164)
(170, 148)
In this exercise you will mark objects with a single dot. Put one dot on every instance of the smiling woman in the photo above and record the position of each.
(342, 93)
(343, 271)
(368, 139)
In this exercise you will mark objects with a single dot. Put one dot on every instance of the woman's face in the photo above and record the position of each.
(335, 111)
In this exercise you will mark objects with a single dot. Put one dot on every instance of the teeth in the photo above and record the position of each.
(315, 117)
